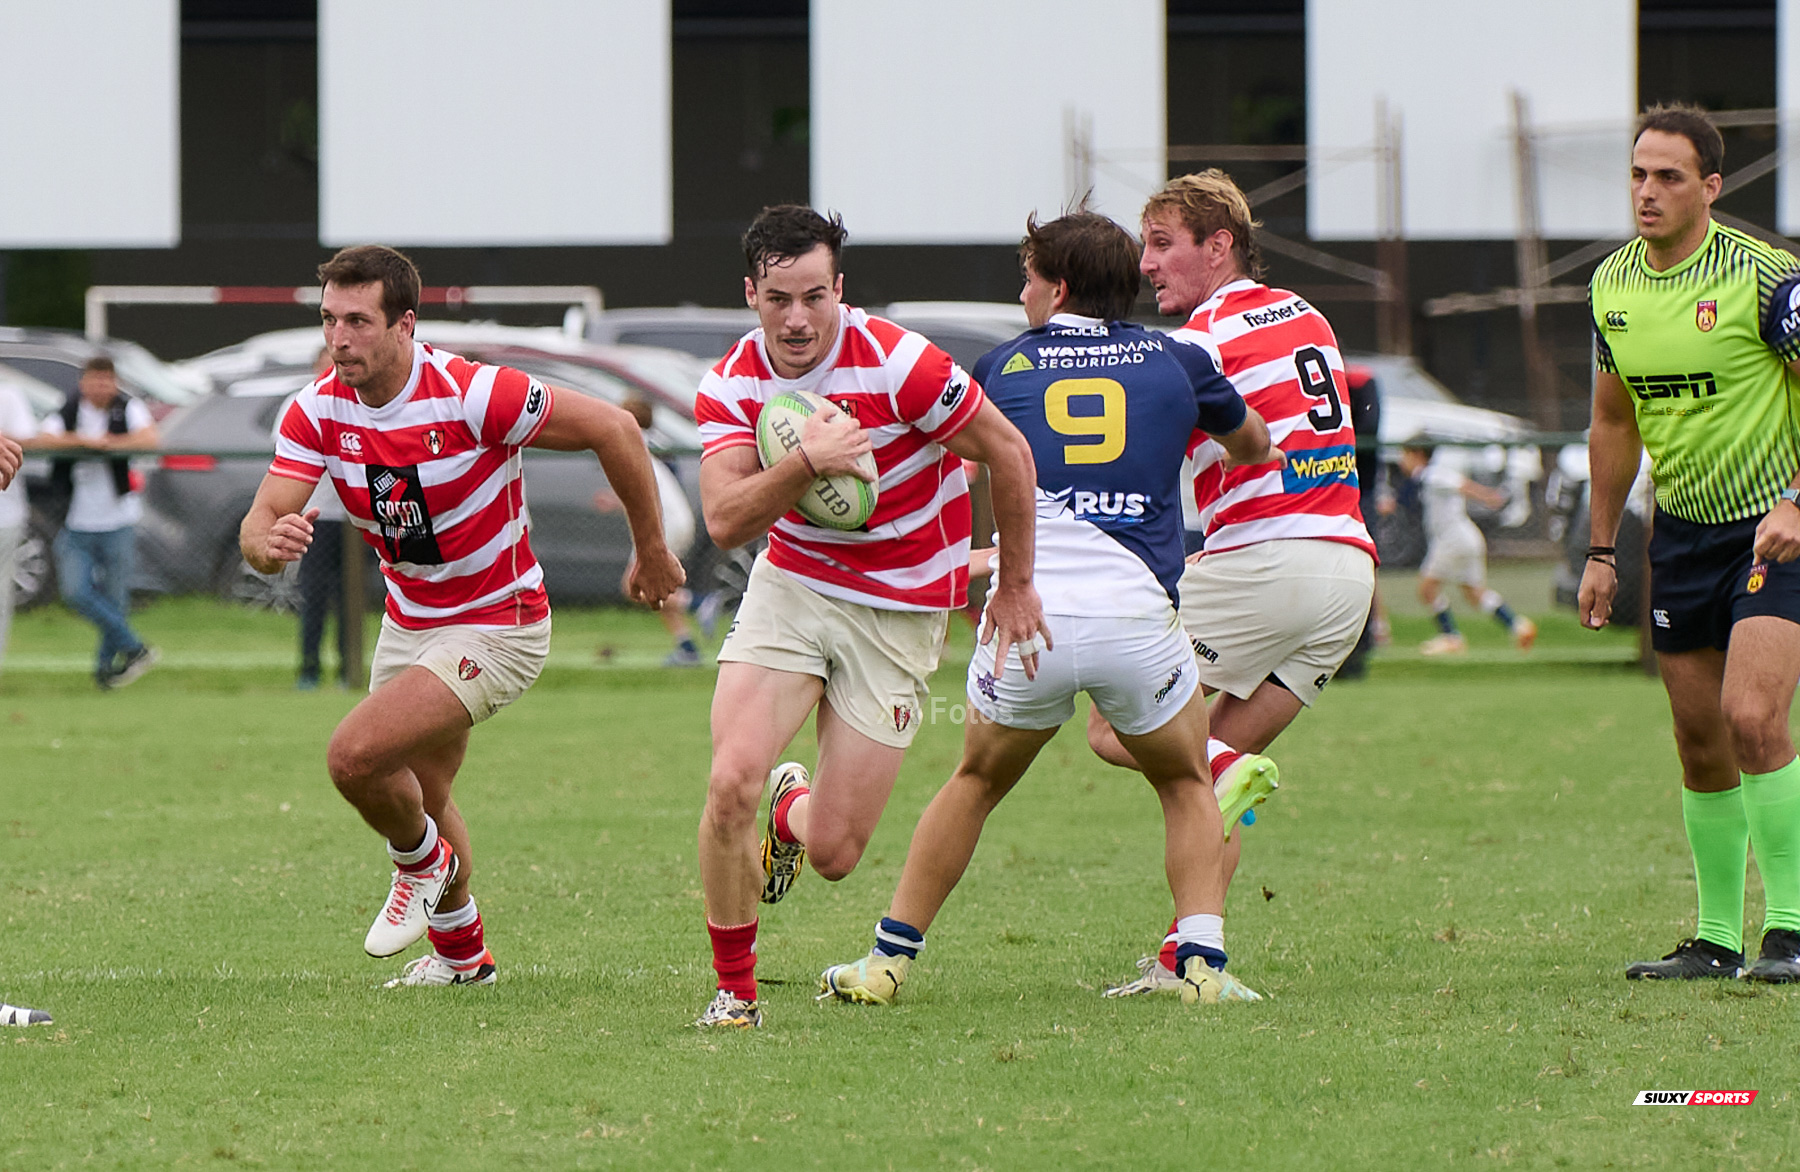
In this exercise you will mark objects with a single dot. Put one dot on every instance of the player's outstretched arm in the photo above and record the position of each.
(579, 423)
(742, 499)
(1015, 614)
(1614, 451)
(1250, 444)
(11, 456)
(275, 531)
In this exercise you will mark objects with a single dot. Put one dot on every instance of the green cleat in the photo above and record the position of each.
(873, 980)
(1245, 785)
(1204, 985)
(781, 861)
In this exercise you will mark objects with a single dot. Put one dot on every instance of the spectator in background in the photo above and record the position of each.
(678, 533)
(96, 550)
(321, 573)
(16, 423)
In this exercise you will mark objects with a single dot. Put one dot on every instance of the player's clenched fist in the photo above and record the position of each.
(652, 578)
(834, 442)
(11, 455)
(289, 537)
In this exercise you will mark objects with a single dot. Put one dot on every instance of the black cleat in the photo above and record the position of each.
(1779, 963)
(1693, 959)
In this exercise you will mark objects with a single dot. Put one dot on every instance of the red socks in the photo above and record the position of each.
(734, 958)
(782, 830)
(462, 946)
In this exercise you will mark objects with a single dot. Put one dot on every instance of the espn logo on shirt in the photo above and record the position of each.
(1694, 1099)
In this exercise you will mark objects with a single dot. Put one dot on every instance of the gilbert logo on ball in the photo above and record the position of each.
(835, 502)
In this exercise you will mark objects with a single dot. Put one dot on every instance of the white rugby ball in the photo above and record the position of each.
(836, 502)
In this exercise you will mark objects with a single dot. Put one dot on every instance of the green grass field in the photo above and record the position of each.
(1437, 905)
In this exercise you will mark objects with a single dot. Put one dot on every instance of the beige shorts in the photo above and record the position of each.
(875, 663)
(1459, 557)
(1292, 609)
(487, 667)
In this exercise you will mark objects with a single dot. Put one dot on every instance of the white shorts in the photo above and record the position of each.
(1292, 609)
(1139, 672)
(875, 662)
(487, 667)
(1459, 556)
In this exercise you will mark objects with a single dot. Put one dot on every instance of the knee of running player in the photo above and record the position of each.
(835, 855)
(355, 762)
(733, 790)
(1760, 741)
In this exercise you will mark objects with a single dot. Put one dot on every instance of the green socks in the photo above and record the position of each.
(1719, 836)
(1772, 810)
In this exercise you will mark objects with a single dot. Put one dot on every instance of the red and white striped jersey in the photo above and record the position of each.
(1280, 354)
(434, 481)
(913, 553)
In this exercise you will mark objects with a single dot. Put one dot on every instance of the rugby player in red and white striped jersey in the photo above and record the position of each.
(848, 623)
(1278, 597)
(424, 449)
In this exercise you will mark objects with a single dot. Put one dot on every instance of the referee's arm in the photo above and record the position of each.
(1614, 452)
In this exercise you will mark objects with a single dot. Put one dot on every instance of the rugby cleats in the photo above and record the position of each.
(1202, 984)
(1243, 785)
(729, 1011)
(1524, 633)
(432, 969)
(781, 861)
(412, 896)
(1444, 645)
(1779, 963)
(873, 980)
(18, 1015)
(1152, 977)
(1693, 959)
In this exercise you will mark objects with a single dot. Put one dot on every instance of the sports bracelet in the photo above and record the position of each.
(807, 460)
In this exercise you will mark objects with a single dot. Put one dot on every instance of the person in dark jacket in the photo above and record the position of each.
(96, 549)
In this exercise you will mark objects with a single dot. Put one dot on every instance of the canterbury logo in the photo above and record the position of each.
(1615, 320)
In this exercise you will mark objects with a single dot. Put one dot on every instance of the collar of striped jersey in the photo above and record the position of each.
(406, 392)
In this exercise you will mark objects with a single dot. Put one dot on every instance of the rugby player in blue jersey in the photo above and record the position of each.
(1108, 408)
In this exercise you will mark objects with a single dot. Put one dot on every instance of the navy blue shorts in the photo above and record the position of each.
(1705, 578)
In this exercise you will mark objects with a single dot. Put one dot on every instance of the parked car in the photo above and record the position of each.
(55, 358)
(707, 334)
(964, 329)
(194, 501)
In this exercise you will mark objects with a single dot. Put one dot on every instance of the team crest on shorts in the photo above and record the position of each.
(468, 669)
(1759, 573)
(1162, 693)
(434, 439)
(903, 717)
(1706, 315)
(984, 683)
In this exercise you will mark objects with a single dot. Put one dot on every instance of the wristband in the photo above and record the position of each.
(1600, 549)
(807, 460)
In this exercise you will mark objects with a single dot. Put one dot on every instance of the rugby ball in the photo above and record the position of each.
(836, 502)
